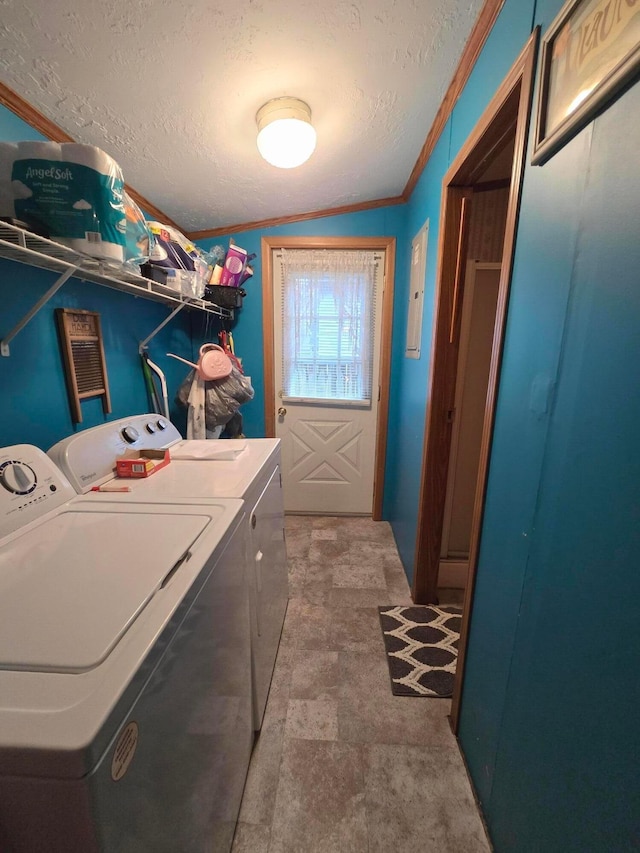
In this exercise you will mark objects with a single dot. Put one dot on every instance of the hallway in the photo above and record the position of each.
(341, 764)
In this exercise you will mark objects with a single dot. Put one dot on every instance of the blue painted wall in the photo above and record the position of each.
(550, 693)
(34, 403)
(508, 36)
(34, 406)
(565, 766)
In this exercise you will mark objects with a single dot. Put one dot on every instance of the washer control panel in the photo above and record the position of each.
(88, 458)
(17, 477)
(30, 486)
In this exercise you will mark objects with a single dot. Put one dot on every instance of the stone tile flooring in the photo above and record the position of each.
(341, 765)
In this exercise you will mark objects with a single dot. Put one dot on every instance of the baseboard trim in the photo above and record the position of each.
(452, 574)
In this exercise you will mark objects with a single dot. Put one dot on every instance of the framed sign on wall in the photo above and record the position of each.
(590, 52)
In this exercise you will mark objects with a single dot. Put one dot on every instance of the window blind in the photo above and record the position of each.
(328, 321)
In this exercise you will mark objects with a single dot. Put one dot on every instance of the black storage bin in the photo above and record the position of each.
(224, 296)
(154, 272)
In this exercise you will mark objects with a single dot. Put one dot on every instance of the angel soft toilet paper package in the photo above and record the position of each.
(72, 192)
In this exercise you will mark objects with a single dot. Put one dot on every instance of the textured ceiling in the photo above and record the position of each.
(171, 90)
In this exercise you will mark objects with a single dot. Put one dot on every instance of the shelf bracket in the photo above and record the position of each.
(143, 344)
(4, 343)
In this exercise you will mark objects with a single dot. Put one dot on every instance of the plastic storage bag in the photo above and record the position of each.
(223, 397)
(172, 249)
(175, 261)
(139, 239)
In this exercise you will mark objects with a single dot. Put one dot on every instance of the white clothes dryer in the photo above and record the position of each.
(247, 469)
(125, 674)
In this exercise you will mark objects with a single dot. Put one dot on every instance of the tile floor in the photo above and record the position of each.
(342, 765)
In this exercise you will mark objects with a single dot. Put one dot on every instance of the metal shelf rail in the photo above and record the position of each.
(27, 248)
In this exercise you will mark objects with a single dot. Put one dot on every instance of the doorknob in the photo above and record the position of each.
(282, 412)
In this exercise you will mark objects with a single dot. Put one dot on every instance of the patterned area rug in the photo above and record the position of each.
(422, 648)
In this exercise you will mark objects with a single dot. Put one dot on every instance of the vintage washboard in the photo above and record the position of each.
(83, 352)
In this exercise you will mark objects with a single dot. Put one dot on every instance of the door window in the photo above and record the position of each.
(328, 321)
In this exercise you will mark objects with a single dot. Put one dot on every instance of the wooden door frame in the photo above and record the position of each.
(380, 244)
(493, 130)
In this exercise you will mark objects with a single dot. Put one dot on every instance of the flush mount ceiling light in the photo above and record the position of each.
(286, 137)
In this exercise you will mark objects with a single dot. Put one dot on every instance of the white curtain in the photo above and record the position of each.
(328, 323)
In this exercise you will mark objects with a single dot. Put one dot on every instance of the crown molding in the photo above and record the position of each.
(475, 43)
(298, 217)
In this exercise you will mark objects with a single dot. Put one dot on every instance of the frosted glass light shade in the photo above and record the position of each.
(286, 137)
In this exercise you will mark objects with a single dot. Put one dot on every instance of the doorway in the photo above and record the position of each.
(491, 160)
(326, 319)
(479, 304)
(327, 368)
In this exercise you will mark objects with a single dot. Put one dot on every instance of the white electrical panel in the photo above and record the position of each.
(416, 291)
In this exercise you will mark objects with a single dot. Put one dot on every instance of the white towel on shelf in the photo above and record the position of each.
(196, 425)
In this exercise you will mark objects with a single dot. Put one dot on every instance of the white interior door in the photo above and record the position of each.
(327, 426)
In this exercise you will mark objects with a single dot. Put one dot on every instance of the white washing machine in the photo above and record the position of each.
(125, 672)
(247, 469)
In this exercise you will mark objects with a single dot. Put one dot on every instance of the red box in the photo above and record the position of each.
(141, 463)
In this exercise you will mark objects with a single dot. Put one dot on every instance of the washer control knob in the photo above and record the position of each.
(150, 427)
(130, 434)
(18, 478)
(161, 423)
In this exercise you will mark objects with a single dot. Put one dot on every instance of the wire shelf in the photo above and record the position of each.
(27, 248)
